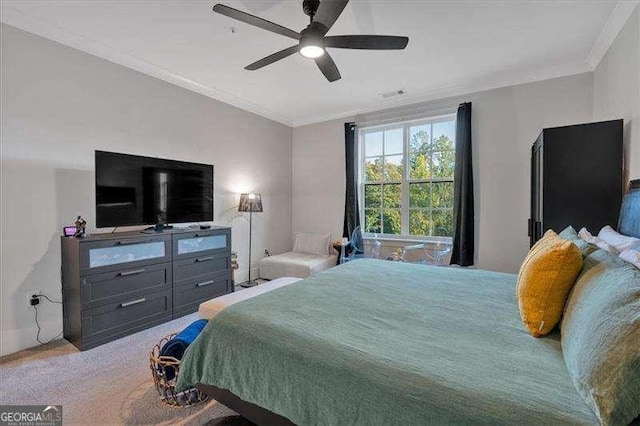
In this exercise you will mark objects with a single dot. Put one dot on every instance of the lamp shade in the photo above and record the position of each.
(250, 203)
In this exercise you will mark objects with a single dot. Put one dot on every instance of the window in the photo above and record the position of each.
(406, 178)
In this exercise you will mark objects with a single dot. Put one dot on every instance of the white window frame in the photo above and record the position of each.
(405, 125)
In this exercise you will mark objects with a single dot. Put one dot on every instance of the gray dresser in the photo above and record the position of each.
(117, 284)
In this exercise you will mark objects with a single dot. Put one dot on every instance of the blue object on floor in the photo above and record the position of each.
(176, 346)
(180, 342)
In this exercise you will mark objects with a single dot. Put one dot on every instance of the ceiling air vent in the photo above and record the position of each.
(393, 93)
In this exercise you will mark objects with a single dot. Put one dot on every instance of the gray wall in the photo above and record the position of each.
(58, 106)
(319, 178)
(505, 124)
(616, 89)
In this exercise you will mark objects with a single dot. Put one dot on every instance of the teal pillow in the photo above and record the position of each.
(601, 337)
(570, 234)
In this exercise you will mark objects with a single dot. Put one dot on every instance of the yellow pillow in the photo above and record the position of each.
(545, 280)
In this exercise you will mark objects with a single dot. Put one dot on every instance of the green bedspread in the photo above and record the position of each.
(385, 343)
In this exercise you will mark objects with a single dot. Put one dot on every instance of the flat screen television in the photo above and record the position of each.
(135, 190)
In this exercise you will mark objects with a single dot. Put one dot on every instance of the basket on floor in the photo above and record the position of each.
(163, 367)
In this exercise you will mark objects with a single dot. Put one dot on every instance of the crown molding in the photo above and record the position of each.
(615, 23)
(618, 18)
(23, 21)
(468, 88)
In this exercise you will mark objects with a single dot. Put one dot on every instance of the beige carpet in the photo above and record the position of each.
(108, 385)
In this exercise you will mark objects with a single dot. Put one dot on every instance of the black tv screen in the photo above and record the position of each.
(135, 190)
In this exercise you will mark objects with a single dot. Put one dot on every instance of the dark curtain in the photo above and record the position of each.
(463, 243)
(351, 209)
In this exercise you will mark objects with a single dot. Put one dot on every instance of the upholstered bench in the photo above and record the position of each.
(293, 264)
(211, 308)
(311, 253)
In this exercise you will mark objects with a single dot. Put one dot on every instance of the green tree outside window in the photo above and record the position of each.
(425, 170)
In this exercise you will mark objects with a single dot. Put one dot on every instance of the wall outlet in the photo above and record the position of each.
(30, 293)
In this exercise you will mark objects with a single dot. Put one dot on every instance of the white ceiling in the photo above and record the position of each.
(454, 47)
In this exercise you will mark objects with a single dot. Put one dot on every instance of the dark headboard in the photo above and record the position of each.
(629, 223)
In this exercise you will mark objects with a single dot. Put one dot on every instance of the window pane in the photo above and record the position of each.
(392, 195)
(419, 222)
(372, 196)
(420, 137)
(372, 144)
(373, 169)
(443, 223)
(419, 146)
(391, 220)
(443, 143)
(372, 221)
(443, 164)
(442, 194)
(419, 195)
(393, 168)
(419, 166)
(393, 142)
(444, 135)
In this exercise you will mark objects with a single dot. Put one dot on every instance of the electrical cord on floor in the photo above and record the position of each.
(35, 308)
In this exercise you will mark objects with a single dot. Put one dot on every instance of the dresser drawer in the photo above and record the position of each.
(188, 296)
(125, 284)
(201, 243)
(124, 253)
(116, 319)
(201, 265)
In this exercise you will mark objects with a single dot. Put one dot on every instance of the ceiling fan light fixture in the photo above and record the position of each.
(311, 51)
(313, 41)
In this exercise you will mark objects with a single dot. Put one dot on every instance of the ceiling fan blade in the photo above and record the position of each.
(374, 42)
(328, 67)
(328, 12)
(272, 58)
(255, 21)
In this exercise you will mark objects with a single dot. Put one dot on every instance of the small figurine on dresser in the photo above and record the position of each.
(81, 225)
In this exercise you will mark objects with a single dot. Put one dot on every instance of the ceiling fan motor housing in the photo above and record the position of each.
(312, 35)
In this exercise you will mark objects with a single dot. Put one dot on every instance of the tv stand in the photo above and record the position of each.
(117, 284)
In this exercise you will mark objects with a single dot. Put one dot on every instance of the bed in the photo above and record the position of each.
(375, 342)
(213, 307)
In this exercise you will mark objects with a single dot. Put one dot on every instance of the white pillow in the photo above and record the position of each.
(599, 242)
(619, 241)
(631, 256)
(312, 243)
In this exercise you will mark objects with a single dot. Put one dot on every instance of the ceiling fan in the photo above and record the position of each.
(313, 41)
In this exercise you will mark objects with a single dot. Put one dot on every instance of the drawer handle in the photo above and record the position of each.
(202, 284)
(134, 272)
(203, 259)
(133, 302)
(128, 243)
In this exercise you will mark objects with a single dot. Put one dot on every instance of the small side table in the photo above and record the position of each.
(337, 246)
